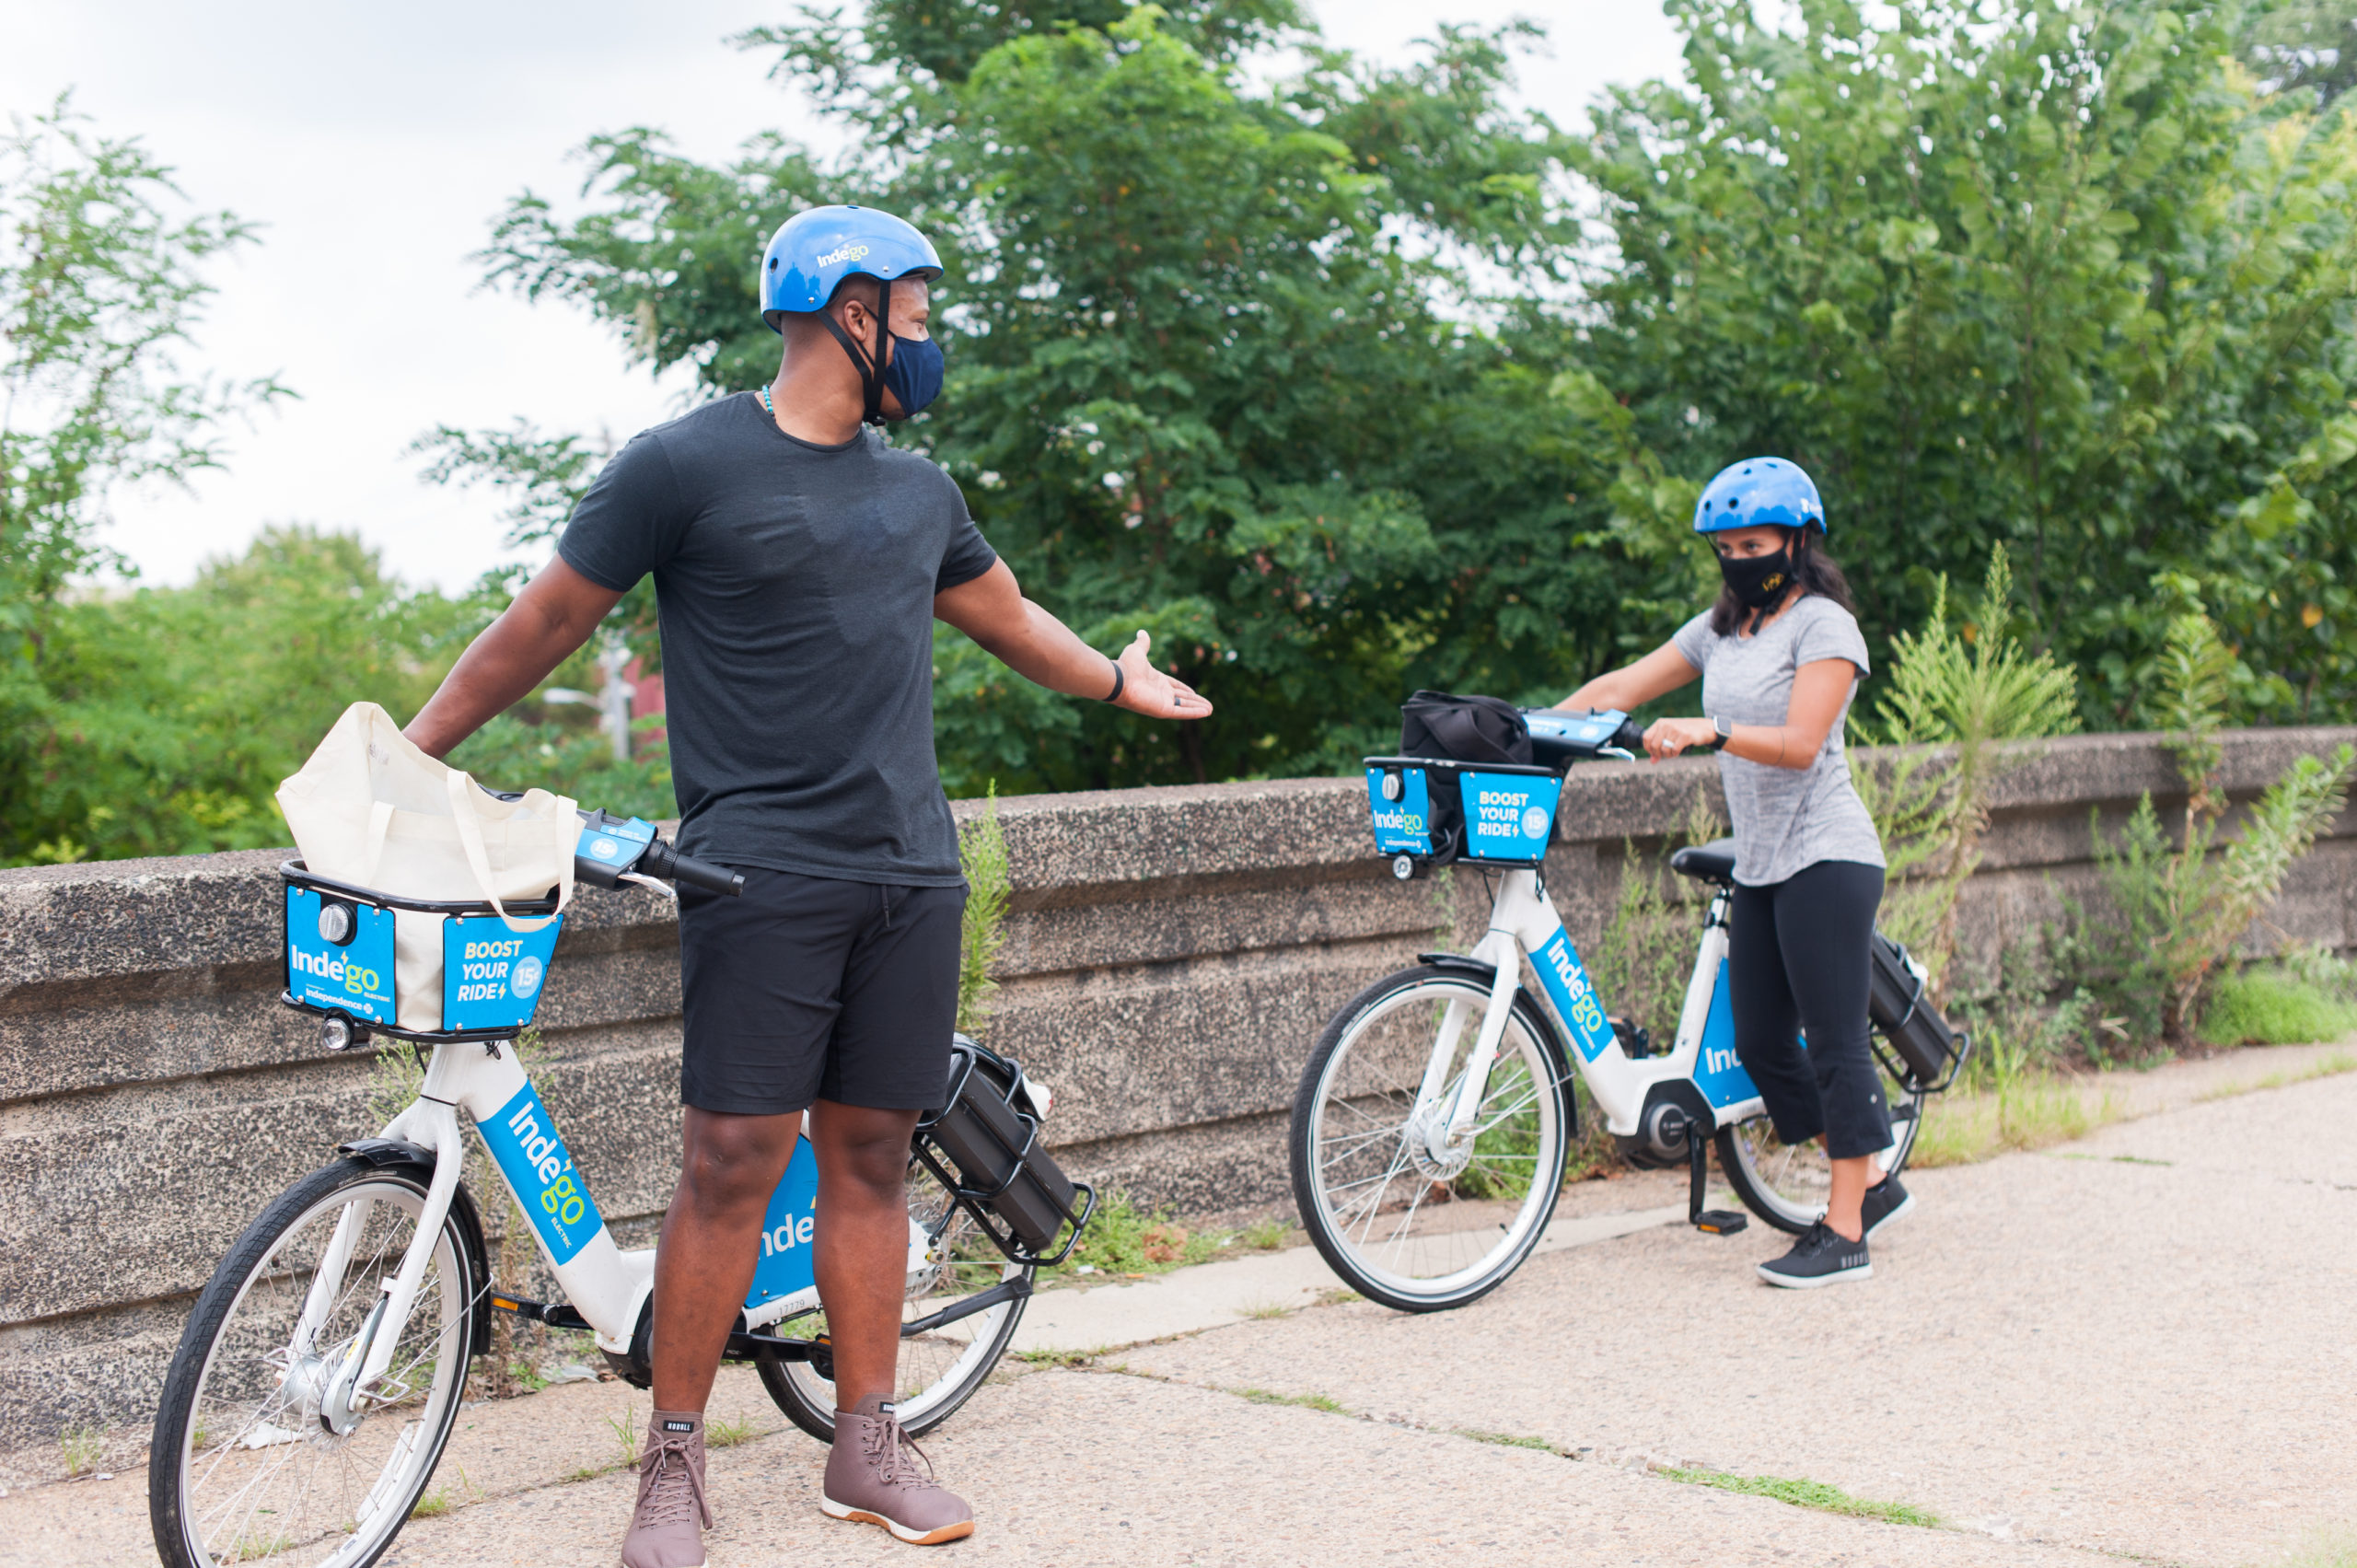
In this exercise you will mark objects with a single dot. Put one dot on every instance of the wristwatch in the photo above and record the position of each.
(1724, 730)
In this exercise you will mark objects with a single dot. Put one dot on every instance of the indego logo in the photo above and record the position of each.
(357, 979)
(559, 1198)
(1400, 821)
(843, 253)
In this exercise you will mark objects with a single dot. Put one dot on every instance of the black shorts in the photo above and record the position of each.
(807, 988)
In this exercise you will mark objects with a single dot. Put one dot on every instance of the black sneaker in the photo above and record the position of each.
(1885, 1202)
(1821, 1257)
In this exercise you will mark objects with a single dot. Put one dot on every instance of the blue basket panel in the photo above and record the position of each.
(491, 976)
(1508, 816)
(354, 977)
(1403, 826)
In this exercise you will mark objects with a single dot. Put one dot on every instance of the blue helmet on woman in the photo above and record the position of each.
(813, 251)
(1759, 491)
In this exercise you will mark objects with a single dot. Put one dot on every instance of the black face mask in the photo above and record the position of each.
(1758, 581)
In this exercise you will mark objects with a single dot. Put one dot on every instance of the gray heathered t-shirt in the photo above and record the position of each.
(1785, 820)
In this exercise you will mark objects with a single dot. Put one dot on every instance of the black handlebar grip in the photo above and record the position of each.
(1629, 736)
(666, 861)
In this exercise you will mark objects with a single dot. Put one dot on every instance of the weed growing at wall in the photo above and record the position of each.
(982, 856)
(2174, 904)
(1955, 694)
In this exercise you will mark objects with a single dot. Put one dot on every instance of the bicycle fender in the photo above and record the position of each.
(378, 1153)
(382, 1151)
(1459, 961)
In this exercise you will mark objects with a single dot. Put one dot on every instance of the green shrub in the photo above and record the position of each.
(2270, 1008)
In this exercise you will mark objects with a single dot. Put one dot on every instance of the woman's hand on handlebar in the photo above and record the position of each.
(1667, 738)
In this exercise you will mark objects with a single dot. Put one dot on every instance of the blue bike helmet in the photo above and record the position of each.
(1759, 491)
(813, 251)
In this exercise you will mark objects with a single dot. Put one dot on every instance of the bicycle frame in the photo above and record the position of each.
(1523, 920)
(606, 1285)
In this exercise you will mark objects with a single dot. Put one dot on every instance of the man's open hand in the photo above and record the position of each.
(1145, 690)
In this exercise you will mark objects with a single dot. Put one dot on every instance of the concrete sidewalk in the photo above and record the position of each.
(2137, 1346)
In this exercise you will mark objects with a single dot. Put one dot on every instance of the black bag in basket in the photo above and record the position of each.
(1465, 729)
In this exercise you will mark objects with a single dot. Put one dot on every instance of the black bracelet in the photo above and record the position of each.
(1119, 680)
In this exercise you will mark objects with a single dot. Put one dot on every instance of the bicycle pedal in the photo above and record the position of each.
(1721, 1222)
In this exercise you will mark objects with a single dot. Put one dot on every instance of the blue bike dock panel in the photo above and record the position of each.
(787, 1229)
(522, 1138)
(354, 978)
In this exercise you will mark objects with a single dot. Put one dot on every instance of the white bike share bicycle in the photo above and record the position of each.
(321, 1368)
(1436, 1115)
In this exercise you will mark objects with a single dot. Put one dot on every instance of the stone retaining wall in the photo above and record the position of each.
(1172, 954)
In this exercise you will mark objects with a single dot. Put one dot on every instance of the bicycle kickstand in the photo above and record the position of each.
(1716, 1222)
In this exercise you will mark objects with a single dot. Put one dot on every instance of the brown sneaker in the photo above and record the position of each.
(870, 1480)
(663, 1531)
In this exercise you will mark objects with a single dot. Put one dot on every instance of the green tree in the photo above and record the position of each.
(1214, 370)
(2053, 276)
(101, 285)
(2304, 47)
(170, 714)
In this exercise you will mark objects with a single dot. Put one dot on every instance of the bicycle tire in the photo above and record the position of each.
(196, 1477)
(1531, 1047)
(939, 1371)
(1791, 1199)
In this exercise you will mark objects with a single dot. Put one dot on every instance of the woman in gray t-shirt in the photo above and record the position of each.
(1779, 657)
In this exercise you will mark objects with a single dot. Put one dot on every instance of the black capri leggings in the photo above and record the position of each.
(1796, 960)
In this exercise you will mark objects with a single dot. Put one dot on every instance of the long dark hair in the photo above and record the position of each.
(1817, 573)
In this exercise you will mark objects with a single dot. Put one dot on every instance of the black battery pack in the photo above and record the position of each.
(988, 1134)
(1930, 1050)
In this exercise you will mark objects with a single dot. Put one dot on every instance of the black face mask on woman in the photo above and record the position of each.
(1758, 581)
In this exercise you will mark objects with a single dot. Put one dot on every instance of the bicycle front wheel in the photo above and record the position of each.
(941, 1367)
(1400, 1224)
(248, 1464)
(1788, 1186)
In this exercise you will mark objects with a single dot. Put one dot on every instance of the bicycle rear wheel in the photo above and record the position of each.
(243, 1469)
(1788, 1187)
(1400, 1227)
(941, 1368)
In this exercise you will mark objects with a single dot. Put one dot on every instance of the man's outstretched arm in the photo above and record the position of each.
(551, 618)
(1035, 644)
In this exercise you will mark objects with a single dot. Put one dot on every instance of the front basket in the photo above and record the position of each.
(340, 956)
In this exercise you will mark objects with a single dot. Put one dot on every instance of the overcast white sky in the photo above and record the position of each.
(376, 144)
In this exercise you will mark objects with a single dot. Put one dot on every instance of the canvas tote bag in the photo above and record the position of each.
(372, 809)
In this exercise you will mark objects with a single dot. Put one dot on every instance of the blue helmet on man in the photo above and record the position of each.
(813, 251)
(1759, 491)
(810, 257)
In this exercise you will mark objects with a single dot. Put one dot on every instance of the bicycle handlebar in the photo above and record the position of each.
(662, 860)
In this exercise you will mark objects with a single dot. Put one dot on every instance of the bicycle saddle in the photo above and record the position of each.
(1713, 862)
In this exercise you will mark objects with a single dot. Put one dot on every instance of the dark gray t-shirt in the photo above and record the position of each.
(795, 587)
(1785, 820)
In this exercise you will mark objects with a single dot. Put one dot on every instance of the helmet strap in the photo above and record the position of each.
(870, 366)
